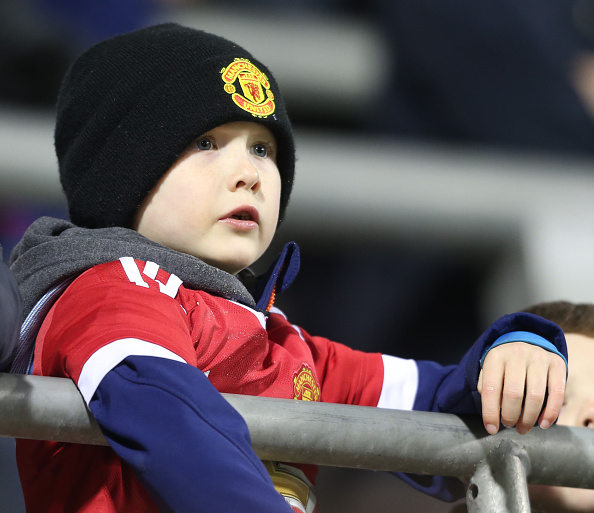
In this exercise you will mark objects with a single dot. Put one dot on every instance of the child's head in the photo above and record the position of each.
(130, 106)
(577, 321)
(220, 200)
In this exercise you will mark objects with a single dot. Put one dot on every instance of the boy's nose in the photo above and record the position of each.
(244, 176)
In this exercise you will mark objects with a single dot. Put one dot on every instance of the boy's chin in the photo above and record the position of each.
(233, 266)
(230, 268)
(556, 499)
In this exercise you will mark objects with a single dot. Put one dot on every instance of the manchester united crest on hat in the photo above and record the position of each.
(249, 88)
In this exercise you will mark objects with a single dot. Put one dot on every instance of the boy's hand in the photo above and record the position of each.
(514, 381)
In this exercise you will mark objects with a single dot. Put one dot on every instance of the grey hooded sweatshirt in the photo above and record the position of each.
(53, 250)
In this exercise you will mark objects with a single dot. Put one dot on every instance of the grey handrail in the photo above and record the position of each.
(336, 435)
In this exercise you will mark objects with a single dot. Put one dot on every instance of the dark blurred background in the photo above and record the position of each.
(444, 172)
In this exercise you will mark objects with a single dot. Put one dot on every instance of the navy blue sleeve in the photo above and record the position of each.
(187, 445)
(452, 389)
(11, 312)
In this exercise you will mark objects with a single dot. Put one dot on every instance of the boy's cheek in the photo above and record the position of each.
(565, 417)
(558, 499)
(570, 414)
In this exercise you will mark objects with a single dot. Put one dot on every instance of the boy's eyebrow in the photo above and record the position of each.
(269, 139)
(268, 136)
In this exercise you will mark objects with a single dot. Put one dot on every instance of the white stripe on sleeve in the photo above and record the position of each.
(401, 380)
(106, 358)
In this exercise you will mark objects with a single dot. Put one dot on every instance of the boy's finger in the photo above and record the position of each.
(556, 392)
(513, 392)
(536, 385)
(491, 385)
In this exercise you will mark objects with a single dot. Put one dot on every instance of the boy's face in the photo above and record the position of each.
(220, 200)
(578, 410)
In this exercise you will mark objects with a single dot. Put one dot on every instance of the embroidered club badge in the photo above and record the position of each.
(305, 386)
(249, 88)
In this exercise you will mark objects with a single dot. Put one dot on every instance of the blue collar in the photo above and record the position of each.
(278, 277)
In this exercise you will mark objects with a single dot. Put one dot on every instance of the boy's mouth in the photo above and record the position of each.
(243, 216)
(243, 213)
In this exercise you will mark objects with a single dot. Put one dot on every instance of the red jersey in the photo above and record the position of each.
(128, 307)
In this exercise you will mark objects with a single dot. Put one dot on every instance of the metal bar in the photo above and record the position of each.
(324, 434)
(42, 408)
(499, 484)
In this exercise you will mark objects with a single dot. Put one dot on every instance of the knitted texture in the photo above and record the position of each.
(131, 105)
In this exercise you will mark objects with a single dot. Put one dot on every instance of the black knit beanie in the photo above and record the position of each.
(131, 105)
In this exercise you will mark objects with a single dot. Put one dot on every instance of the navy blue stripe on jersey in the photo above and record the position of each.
(107, 357)
(188, 446)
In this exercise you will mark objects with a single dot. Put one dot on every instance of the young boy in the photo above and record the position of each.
(177, 159)
(577, 321)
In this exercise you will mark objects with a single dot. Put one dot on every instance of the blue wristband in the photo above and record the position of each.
(524, 336)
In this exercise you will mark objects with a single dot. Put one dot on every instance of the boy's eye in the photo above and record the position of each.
(260, 150)
(204, 144)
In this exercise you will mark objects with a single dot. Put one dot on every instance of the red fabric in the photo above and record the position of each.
(218, 336)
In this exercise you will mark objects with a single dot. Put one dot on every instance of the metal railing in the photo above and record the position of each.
(496, 469)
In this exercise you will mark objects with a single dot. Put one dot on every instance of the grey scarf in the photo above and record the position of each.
(53, 250)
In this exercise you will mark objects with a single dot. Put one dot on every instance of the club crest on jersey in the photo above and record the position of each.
(249, 88)
(305, 386)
